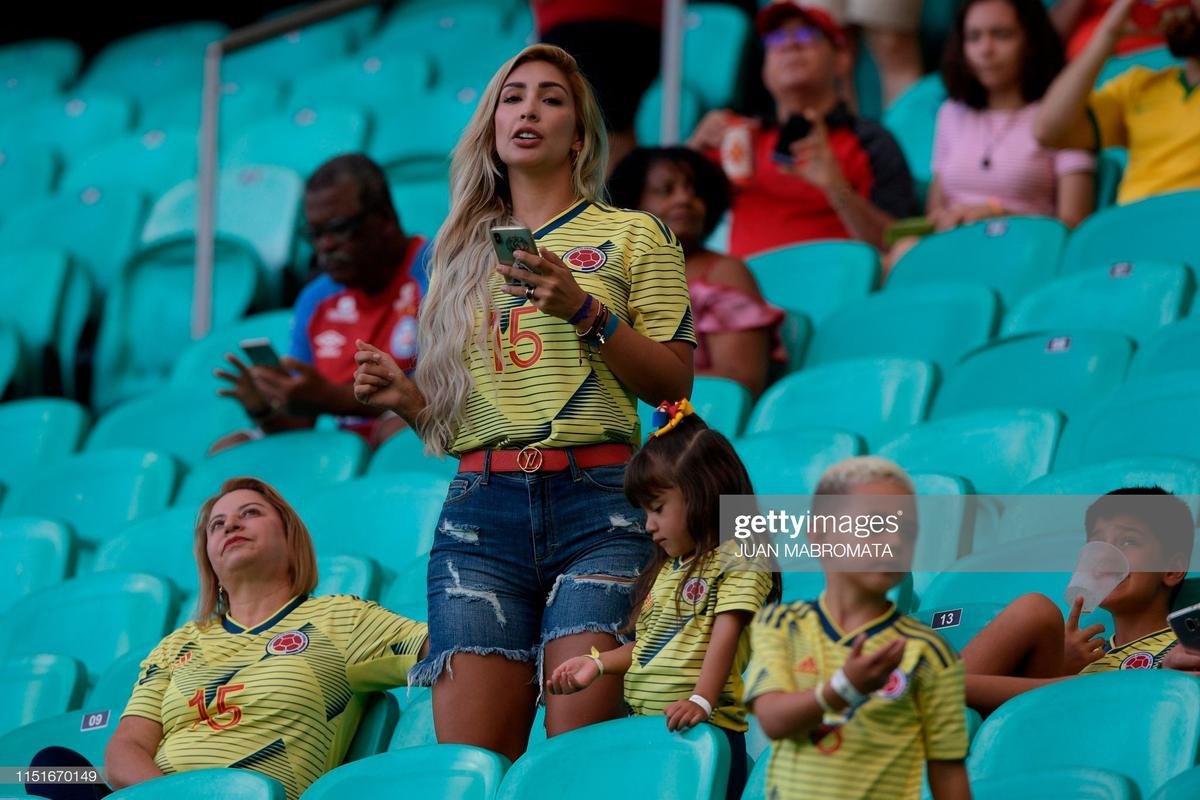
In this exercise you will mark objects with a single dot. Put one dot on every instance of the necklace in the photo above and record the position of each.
(994, 141)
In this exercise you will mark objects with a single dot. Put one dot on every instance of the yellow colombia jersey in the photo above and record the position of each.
(1147, 652)
(880, 749)
(284, 698)
(671, 644)
(532, 387)
(1156, 114)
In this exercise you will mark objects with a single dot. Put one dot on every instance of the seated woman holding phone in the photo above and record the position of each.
(370, 289)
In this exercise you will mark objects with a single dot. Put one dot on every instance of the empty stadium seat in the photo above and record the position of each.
(409, 505)
(1011, 256)
(56, 58)
(442, 770)
(195, 365)
(144, 78)
(405, 452)
(34, 553)
(1069, 724)
(1148, 417)
(467, 43)
(39, 686)
(693, 763)
(147, 317)
(150, 162)
(94, 618)
(242, 104)
(816, 278)
(379, 82)
(162, 43)
(649, 114)
(356, 25)
(344, 574)
(172, 420)
(946, 510)
(1184, 786)
(96, 493)
(722, 403)
(1133, 299)
(1068, 373)
(1051, 784)
(931, 323)
(115, 684)
(301, 141)
(874, 398)
(998, 452)
(791, 462)
(375, 728)
(37, 432)
(160, 544)
(97, 227)
(18, 92)
(911, 119)
(1179, 476)
(26, 175)
(284, 57)
(958, 624)
(422, 205)
(1171, 348)
(415, 726)
(86, 732)
(260, 204)
(1155, 229)
(407, 594)
(715, 39)
(228, 784)
(295, 463)
(44, 280)
(72, 125)
(421, 152)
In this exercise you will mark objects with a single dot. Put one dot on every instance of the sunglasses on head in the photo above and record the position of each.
(340, 228)
(801, 36)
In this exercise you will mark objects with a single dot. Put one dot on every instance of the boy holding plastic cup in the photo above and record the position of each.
(1029, 644)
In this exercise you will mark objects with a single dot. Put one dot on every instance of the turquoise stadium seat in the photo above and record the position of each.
(72, 125)
(422, 205)
(1154, 58)
(295, 463)
(39, 686)
(58, 59)
(816, 278)
(960, 624)
(947, 511)
(284, 57)
(1149, 417)
(791, 462)
(422, 152)
(171, 420)
(37, 432)
(96, 493)
(378, 82)
(649, 114)
(450, 771)
(1184, 786)
(35, 553)
(1149, 230)
(260, 204)
(998, 452)
(160, 545)
(1110, 171)
(796, 333)
(195, 365)
(301, 141)
(932, 323)
(99, 228)
(150, 162)
(1179, 476)
(10, 357)
(375, 728)
(32, 89)
(1069, 724)
(1173, 347)
(693, 764)
(26, 174)
(722, 403)
(715, 39)
(356, 25)
(415, 727)
(95, 618)
(911, 119)
(242, 103)
(86, 732)
(411, 502)
(146, 78)
(44, 280)
(343, 574)
(404, 452)
(228, 784)
(1011, 256)
(162, 43)
(467, 43)
(147, 317)
(1133, 299)
(1052, 784)
(115, 684)
(407, 594)
(874, 398)
(1069, 373)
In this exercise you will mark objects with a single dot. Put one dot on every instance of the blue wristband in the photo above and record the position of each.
(610, 327)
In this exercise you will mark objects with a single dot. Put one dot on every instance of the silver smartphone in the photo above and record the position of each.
(260, 352)
(506, 241)
(1186, 624)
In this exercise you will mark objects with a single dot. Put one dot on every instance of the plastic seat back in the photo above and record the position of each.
(170, 420)
(1155, 229)
(1050, 784)
(791, 462)
(150, 162)
(228, 784)
(294, 53)
(715, 38)
(453, 771)
(378, 82)
(86, 732)
(35, 553)
(161, 544)
(195, 365)
(27, 173)
(113, 688)
(39, 686)
(73, 125)
(422, 205)
(37, 432)
(301, 141)
(1172, 348)
(816, 278)
(58, 59)
(405, 452)
(1151, 417)
(344, 574)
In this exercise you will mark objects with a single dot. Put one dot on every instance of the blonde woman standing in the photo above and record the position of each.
(534, 387)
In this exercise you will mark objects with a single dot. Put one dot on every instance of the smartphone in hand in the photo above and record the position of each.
(1186, 624)
(260, 352)
(506, 241)
(795, 129)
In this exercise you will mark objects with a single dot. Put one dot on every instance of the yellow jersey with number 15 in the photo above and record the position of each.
(535, 385)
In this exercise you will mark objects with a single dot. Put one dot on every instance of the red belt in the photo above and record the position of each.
(533, 459)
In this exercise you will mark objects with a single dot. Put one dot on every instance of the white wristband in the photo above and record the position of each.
(842, 685)
(700, 701)
(821, 701)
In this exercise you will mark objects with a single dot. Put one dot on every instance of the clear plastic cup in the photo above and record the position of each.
(1099, 569)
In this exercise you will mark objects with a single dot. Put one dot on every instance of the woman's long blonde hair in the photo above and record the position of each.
(462, 255)
(302, 558)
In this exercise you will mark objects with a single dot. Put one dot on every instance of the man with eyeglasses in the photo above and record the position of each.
(370, 287)
(835, 175)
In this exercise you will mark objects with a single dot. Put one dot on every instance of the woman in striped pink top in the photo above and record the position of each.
(1001, 57)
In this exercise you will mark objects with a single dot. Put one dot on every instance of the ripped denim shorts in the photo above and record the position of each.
(521, 559)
